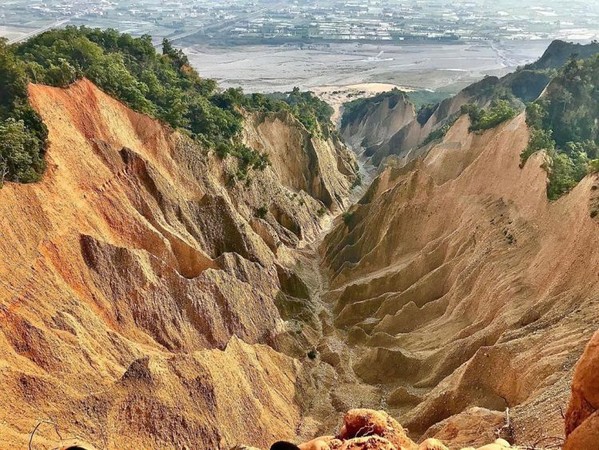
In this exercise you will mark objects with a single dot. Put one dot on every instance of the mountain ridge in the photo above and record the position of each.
(128, 259)
(401, 279)
(523, 86)
(160, 292)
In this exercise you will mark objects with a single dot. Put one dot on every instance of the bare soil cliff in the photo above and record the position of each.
(459, 285)
(139, 284)
(316, 169)
(405, 141)
(582, 418)
(378, 121)
(150, 300)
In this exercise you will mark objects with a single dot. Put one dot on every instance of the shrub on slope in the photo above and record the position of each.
(565, 123)
(162, 85)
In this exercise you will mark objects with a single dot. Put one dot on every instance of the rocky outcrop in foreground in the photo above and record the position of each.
(365, 429)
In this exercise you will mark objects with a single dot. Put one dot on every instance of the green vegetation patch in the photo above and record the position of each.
(162, 85)
(438, 134)
(314, 113)
(23, 135)
(428, 98)
(565, 124)
(500, 111)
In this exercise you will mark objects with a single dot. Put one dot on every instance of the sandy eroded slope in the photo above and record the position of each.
(460, 285)
(138, 283)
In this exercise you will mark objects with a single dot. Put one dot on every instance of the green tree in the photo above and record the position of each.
(20, 159)
(565, 123)
(162, 85)
(499, 111)
(176, 55)
(62, 74)
(539, 139)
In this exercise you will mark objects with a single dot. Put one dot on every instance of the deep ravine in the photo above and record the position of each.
(329, 359)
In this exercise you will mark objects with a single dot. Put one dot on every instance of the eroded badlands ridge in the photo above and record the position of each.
(149, 302)
(460, 285)
(582, 418)
(139, 284)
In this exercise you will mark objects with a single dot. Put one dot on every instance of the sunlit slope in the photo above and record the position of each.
(461, 285)
(139, 283)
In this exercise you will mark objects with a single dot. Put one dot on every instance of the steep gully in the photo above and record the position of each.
(457, 291)
(140, 281)
(140, 286)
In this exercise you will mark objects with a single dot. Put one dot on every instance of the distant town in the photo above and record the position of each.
(310, 21)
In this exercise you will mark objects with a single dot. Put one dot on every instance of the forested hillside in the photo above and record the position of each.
(162, 85)
(564, 123)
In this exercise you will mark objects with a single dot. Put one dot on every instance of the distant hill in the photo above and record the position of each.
(558, 53)
(523, 86)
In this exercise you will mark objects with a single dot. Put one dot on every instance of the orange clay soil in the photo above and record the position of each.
(149, 301)
(458, 285)
(138, 284)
